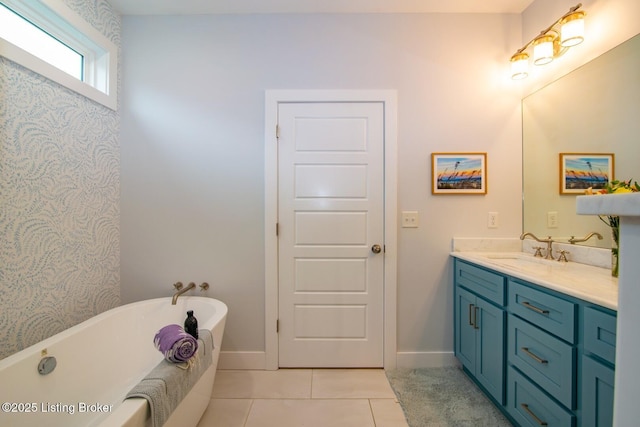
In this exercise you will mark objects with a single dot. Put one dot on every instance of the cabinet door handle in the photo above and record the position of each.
(470, 321)
(532, 415)
(475, 318)
(533, 356)
(534, 308)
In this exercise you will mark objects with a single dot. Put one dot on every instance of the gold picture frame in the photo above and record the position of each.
(458, 173)
(579, 171)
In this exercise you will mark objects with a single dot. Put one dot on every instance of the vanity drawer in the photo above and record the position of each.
(545, 359)
(531, 407)
(487, 284)
(600, 334)
(549, 312)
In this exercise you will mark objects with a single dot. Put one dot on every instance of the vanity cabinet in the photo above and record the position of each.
(598, 367)
(597, 393)
(480, 326)
(545, 358)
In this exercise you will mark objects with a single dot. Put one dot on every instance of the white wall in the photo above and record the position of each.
(192, 147)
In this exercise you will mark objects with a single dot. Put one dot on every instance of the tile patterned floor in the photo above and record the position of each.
(303, 398)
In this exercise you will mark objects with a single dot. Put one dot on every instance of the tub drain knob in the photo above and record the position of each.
(47, 365)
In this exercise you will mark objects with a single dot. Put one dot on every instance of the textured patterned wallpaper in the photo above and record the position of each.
(59, 200)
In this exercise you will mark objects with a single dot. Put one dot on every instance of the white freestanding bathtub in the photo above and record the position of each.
(98, 362)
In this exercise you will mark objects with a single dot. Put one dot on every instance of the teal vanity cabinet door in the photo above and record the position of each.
(597, 393)
(465, 333)
(490, 361)
(598, 371)
(480, 335)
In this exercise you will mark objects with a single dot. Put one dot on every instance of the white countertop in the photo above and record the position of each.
(627, 204)
(586, 282)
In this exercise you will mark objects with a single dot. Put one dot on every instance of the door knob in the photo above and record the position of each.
(376, 249)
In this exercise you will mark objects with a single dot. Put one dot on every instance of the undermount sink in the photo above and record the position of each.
(520, 257)
(541, 268)
(503, 256)
(525, 262)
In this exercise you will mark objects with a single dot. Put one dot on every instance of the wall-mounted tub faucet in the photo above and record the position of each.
(178, 286)
(548, 241)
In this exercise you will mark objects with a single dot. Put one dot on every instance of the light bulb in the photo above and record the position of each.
(543, 49)
(572, 31)
(520, 66)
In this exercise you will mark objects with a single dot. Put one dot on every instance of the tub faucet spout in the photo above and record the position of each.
(181, 291)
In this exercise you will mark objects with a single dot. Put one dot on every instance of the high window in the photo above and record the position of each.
(52, 40)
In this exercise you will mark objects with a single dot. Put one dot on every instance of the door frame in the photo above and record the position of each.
(389, 99)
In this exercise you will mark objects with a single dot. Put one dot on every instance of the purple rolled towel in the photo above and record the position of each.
(176, 344)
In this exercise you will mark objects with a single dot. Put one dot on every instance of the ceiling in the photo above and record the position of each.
(199, 7)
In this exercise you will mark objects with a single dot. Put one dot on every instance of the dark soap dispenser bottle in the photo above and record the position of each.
(191, 324)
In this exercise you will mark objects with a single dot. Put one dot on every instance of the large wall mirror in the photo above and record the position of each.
(594, 109)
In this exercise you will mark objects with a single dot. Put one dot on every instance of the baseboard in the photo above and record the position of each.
(435, 359)
(255, 360)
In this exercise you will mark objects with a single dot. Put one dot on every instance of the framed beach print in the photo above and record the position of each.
(579, 171)
(459, 173)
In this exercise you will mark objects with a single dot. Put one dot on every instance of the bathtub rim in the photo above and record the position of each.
(38, 347)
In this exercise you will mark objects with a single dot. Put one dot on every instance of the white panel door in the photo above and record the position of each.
(330, 215)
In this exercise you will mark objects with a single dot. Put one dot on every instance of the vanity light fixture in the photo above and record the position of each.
(552, 42)
(544, 48)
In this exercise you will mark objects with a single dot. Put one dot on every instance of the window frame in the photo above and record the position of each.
(100, 63)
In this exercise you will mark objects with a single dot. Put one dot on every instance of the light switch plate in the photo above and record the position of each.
(410, 219)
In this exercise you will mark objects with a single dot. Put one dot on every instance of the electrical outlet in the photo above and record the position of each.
(552, 219)
(492, 220)
(410, 219)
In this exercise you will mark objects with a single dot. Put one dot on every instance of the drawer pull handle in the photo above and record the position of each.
(534, 308)
(533, 356)
(470, 321)
(532, 415)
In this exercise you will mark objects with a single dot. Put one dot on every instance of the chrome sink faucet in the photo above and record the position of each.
(548, 241)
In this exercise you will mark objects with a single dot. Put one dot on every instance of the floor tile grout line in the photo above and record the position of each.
(311, 384)
(246, 418)
(373, 417)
